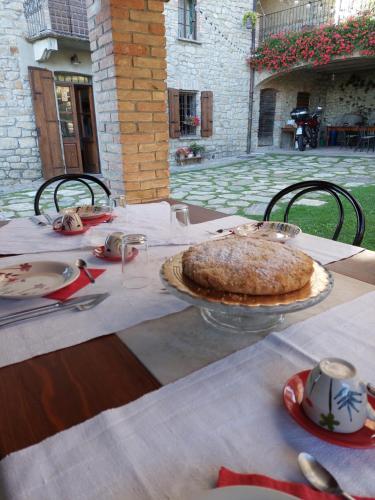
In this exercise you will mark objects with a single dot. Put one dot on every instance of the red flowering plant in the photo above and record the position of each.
(317, 47)
(193, 121)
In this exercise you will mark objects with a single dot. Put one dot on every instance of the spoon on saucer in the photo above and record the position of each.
(320, 477)
(81, 264)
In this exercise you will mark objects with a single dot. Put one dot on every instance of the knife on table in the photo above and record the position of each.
(80, 303)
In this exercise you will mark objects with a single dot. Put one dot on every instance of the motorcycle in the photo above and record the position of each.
(307, 127)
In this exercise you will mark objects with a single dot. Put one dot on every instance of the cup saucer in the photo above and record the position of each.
(293, 395)
(71, 233)
(99, 252)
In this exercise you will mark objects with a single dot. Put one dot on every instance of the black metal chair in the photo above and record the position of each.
(366, 138)
(64, 178)
(334, 190)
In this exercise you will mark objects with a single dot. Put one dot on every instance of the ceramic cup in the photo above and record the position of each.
(68, 222)
(112, 244)
(334, 398)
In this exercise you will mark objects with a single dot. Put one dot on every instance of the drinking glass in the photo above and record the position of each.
(180, 218)
(135, 268)
(118, 201)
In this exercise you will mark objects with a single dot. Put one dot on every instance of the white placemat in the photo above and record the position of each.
(172, 442)
(122, 309)
(22, 236)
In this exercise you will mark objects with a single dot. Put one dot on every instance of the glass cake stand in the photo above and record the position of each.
(239, 312)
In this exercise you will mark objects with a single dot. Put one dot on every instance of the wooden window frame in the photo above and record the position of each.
(187, 20)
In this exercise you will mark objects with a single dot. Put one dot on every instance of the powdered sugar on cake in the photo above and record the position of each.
(247, 265)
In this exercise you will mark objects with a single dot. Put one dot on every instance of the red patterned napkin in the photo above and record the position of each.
(74, 287)
(300, 490)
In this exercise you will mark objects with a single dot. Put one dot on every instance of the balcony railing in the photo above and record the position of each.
(56, 17)
(310, 15)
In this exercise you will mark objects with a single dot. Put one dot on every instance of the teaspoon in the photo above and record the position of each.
(81, 264)
(320, 477)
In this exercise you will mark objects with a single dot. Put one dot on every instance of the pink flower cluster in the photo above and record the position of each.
(316, 47)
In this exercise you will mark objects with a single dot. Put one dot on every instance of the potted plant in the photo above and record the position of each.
(192, 121)
(249, 19)
(197, 149)
(183, 153)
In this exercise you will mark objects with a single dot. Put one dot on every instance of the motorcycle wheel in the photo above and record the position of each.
(314, 140)
(301, 143)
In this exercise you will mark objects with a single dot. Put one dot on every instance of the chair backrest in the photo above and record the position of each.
(64, 178)
(305, 187)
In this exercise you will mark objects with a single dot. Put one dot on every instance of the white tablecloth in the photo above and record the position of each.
(172, 442)
(22, 235)
(124, 308)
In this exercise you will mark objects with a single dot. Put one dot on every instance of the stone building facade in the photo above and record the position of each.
(214, 61)
(19, 153)
(20, 162)
(342, 87)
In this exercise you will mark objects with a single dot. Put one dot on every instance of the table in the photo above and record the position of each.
(342, 128)
(96, 375)
(290, 131)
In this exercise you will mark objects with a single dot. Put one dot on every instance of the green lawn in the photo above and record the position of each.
(322, 220)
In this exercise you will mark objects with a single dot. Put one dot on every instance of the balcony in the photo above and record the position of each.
(310, 15)
(56, 18)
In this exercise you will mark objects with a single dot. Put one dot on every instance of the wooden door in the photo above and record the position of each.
(87, 128)
(49, 139)
(267, 108)
(66, 104)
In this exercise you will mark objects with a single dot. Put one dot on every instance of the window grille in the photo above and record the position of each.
(73, 78)
(187, 19)
(188, 111)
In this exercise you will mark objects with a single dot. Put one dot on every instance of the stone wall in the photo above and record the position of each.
(217, 64)
(352, 92)
(19, 153)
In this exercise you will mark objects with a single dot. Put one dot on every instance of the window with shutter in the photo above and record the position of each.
(206, 113)
(187, 19)
(174, 113)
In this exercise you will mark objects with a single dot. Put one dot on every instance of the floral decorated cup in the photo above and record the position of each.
(335, 399)
(71, 222)
(112, 244)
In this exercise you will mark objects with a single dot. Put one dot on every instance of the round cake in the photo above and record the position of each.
(247, 265)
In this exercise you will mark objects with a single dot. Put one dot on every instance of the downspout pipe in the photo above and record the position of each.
(251, 88)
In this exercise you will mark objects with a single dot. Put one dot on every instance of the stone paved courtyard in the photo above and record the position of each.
(243, 187)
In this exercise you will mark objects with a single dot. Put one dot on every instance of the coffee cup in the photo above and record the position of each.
(68, 222)
(112, 244)
(334, 397)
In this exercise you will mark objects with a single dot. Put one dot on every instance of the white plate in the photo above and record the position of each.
(243, 493)
(35, 279)
(88, 211)
(272, 231)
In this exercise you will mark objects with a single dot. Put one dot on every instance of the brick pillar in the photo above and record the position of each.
(129, 71)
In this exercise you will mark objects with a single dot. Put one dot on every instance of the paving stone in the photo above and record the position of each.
(310, 203)
(256, 209)
(238, 203)
(228, 210)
